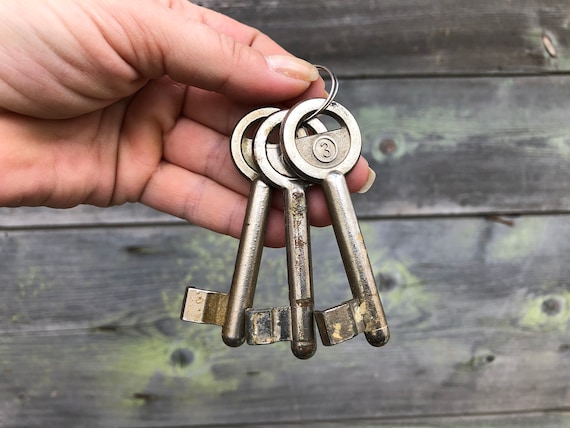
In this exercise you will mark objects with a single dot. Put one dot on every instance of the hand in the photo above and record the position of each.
(107, 102)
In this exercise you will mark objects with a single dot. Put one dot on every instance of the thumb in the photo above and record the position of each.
(160, 41)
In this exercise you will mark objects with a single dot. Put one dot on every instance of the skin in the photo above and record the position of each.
(104, 102)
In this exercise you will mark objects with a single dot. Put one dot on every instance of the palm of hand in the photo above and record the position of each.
(92, 117)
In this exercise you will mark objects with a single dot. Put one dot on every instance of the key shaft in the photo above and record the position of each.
(299, 270)
(247, 263)
(250, 249)
(325, 159)
(355, 258)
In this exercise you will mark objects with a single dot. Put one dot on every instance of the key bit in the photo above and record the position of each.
(343, 322)
(267, 326)
(204, 306)
(340, 323)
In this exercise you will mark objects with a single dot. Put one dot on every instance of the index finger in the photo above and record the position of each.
(202, 48)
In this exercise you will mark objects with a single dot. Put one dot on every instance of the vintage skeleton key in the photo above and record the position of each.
(295, 322)
(325, 158)
(227, 309)
(250, 248)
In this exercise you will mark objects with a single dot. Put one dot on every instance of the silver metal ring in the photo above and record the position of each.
(332, 93)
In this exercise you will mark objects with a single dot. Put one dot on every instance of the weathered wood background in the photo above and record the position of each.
(464, 108)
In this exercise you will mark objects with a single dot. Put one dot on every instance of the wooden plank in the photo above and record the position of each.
(84, 215)
(531, 420)
(439, 146)
(407, 37)
(464, 146)
(479, 312)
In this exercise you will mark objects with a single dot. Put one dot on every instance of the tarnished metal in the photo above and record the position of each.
(248, 259)
(267, 326)
(340, 323)
(344, 147)
(307, 153)
(250, 249)
(229, 309)
(268, 157)
(204, 307)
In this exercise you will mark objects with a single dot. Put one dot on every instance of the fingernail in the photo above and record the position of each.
(293, 67)
(369, 181)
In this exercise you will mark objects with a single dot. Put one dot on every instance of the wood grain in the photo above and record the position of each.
(91, 336)
(463, 108)
(407, 37)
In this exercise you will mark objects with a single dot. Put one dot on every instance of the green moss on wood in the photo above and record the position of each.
(547, 312)
(519, 241)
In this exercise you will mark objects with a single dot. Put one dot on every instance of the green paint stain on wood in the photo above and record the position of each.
(215, 255)
(561, 145)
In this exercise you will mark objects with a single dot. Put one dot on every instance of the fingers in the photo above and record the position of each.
(205, 203)
(151, 115)
(157, 40)
(222, 114)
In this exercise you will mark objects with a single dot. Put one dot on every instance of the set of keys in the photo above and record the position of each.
(307, 154)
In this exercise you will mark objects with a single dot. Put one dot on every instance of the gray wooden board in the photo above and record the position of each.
(407, 37)
(82, 215)
(458, 147)
(90, 336)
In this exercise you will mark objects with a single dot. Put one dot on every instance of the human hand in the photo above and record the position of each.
(107, 102)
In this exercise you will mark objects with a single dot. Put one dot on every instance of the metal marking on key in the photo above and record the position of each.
(271, 325)
(325, 158)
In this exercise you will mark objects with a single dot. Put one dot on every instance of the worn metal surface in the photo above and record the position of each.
(298, 246)
(330, 173)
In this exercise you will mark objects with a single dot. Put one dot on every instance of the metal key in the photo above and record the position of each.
(227, 310)
(268, 157)
(250, 248)
(325, 158)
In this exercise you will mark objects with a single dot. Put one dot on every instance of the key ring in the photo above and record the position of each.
(332, 93)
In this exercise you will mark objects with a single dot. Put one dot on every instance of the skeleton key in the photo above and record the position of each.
(298, 318)
(227, 309)
(250, 248)
(325, 158)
